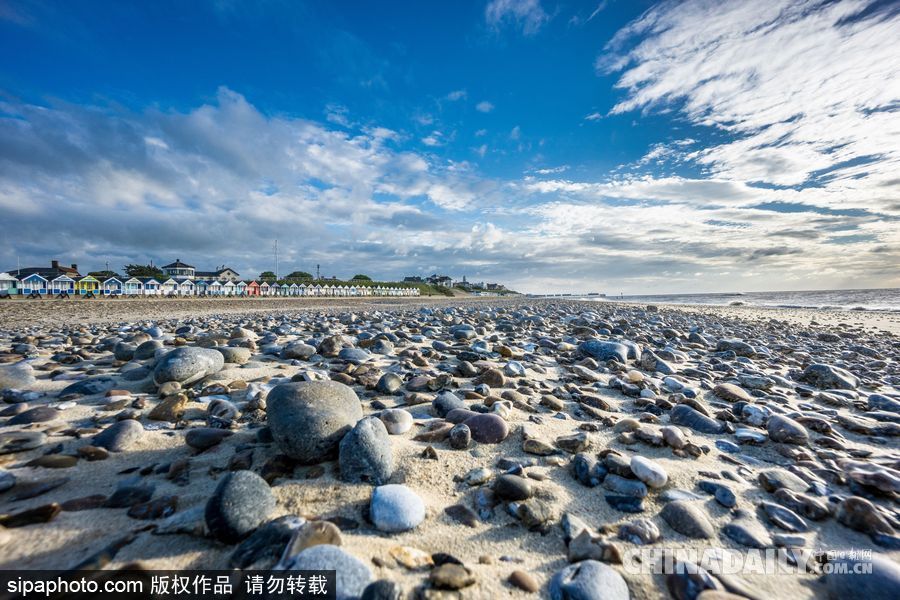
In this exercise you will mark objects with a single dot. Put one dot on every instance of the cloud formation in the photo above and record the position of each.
(527, 15)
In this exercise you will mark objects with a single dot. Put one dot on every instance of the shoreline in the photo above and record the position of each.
(22, 314)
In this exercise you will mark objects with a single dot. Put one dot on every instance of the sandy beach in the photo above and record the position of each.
(547, 385)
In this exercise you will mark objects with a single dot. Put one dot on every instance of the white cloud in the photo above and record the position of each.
(528, 15)
(456, 95)
(481, 133)
(594, 116)
(516, 133)
(802, 86)
(484, 106)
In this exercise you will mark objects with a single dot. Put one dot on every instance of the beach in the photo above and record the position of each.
(553, 399)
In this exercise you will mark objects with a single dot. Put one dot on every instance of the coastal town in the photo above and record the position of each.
(181, 279)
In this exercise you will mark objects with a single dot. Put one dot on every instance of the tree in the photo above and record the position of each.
(267, 275)
(143, 271)
(299, 275)
(361, 278)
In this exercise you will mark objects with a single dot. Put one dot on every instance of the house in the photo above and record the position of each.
(264, 288)
(88, 286)
(34, 284)
(413, 279)
(150, 286)
(179, 270)
(253, 288)
(222, 273)
(441, 280)
(112, 286)
(48, 273)
(240, 288)
(169, 287)
(228, 288)
(62, 284)
(9, 285)
(215, 288)
(201, 287)
(186, 288)
(134, 287)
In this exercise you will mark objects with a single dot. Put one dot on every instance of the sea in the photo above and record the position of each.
(885, 300)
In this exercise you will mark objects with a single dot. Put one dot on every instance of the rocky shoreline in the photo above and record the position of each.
(454, 448)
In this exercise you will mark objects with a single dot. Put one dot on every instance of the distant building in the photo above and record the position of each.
(441, 280)
(222, 273)
(494, 286)
(413, 279)
(49, 273)
(179, 270)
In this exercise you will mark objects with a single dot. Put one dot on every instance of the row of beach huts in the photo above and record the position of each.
(35, 285)
(180, 280)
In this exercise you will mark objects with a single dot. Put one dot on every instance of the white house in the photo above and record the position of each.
(169, 287)
(62, 284)
(112, 286)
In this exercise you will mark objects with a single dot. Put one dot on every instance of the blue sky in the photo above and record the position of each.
(605, 145)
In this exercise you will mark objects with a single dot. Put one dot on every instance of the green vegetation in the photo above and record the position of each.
(267, 275)
(144, 271)
(298, 275)
(361, 278)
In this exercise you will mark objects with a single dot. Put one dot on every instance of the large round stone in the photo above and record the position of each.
(119, 436)
(352, 575)
(396, 508)
(309, 418)
(17, 376)
(365, 453)
(588, 580)
(487, 428)
(188, 365)
(242, 501)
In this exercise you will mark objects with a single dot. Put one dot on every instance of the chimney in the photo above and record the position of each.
(74, 267)
(54, 264)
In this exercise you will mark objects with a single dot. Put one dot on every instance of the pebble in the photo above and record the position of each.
(524, 581)
(640, 531)
(203, 438)
(365, 453)
(119, 436)
(188, 365)
(487, 429)
(352, 575)
(38, 414)
(17, 376)
(649, 472)
(7, 480)
(786, 430)
(512, 488)
(686, 416)
(20, 441)
(240, 503)
(460, 437)
(688, 518)
(397, 420)
(451, 576)
(588, 580)
(850, 578)
(309, 419)
(395, 508)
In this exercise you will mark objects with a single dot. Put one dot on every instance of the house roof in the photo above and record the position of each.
(146, 279)
(177, 265)
(32, 275)
(7, 277)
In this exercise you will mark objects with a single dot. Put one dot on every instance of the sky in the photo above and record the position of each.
(614, 146)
